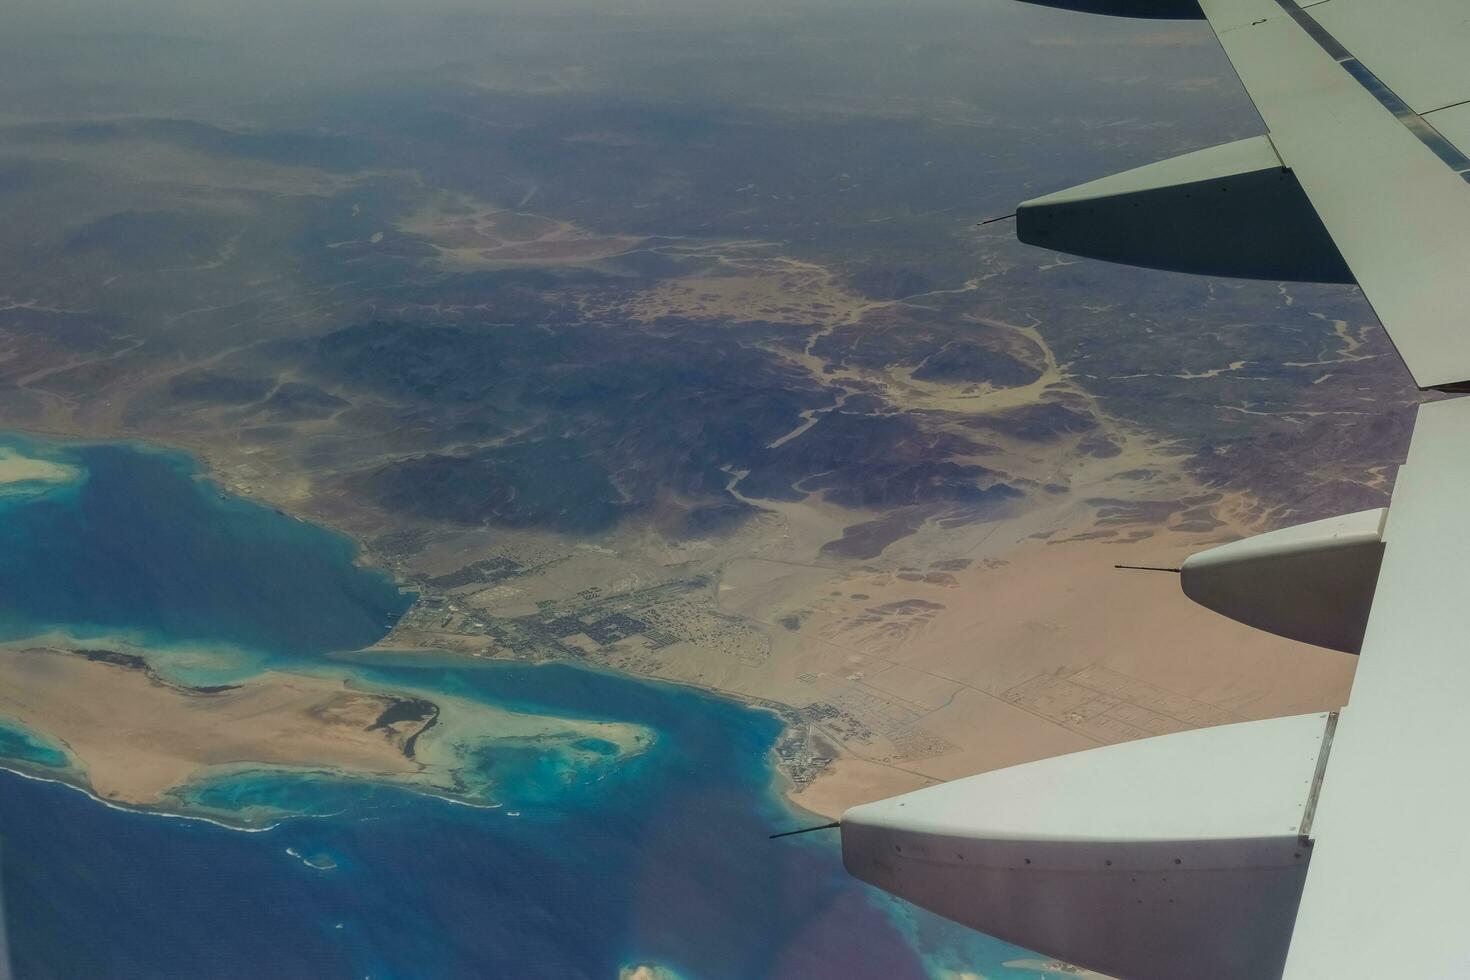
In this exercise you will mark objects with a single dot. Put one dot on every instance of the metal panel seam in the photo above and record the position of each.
(1432, 138)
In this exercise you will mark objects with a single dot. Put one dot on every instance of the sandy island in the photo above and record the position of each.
(135, 739)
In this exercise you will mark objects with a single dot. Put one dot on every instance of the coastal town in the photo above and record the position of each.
(620, 631)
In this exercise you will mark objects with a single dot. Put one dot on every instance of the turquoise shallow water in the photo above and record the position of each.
(31, 747)
(580, 870)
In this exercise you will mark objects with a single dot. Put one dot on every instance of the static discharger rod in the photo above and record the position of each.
(991, 221)
(806, 830)
(1149, 568)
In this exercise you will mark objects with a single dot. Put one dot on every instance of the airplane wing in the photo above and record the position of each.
(1368, 104)
(1316, 846)
(1361, 177)
(1389, 885)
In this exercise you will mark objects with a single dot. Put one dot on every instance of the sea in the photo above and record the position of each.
(660, 863)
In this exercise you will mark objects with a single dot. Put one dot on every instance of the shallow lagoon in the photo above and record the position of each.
(578, 871)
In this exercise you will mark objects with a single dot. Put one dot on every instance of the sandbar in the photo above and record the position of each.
(17, 467)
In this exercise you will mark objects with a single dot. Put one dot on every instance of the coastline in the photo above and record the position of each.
(870, 709)
(1042, 622)
(793, 729)
(277, 725)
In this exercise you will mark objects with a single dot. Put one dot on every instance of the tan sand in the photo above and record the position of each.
(134, 738)
(471, 234)
(18, 468)
(957, 651)
(1051, 652)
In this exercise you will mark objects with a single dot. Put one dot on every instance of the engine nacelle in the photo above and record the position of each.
(1312, 582)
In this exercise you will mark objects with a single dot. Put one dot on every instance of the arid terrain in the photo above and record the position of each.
(516, 458)
(728, 391)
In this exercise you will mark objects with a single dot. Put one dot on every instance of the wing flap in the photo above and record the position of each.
(1390, 876)
(1174, 856)
(1454, 124)
(1417, 48)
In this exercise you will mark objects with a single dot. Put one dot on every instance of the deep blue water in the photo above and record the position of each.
(663, 860)
(142, 545)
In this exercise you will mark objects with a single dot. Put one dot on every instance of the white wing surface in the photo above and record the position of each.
(1368, 104)
(1306, 847)
(1362, 175)
(1145, 859)
(1388, 892)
